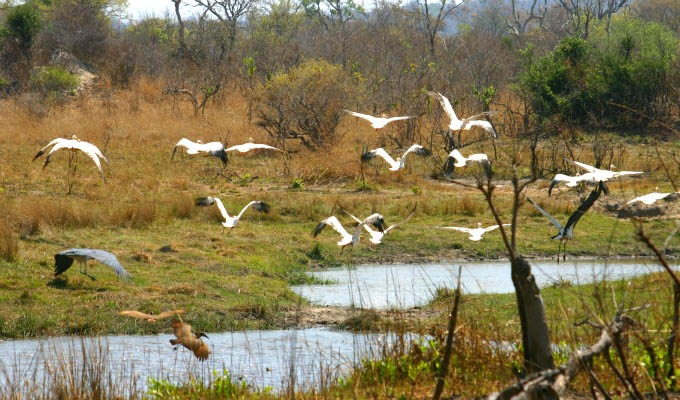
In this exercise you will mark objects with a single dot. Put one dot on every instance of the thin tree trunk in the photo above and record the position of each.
(444, 368)
(180, 30)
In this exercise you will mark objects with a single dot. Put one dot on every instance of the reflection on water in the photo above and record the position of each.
(409, 285)
(261, 358)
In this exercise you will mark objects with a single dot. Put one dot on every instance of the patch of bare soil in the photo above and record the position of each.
(342, 316)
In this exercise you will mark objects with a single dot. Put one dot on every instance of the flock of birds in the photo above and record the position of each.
(374, 224)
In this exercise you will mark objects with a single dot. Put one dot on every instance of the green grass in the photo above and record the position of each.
(240, 280)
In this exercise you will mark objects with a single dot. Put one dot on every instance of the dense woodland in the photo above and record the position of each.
(588, 65)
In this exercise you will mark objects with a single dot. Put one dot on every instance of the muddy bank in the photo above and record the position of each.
(355, 318)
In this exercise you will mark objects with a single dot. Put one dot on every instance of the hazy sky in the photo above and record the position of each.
(141, 8)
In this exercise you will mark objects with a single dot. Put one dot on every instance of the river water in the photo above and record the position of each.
(264, 358)
(409, 285)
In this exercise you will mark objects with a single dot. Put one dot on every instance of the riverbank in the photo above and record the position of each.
(180, 256)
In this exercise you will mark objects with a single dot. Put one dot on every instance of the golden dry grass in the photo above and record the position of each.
(8, 242)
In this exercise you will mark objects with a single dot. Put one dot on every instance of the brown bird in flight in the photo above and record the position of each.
(191, 340)
(150, 317)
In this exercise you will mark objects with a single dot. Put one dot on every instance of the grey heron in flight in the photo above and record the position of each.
(566, 232)
(466, 124)
(74, 144)
(64, 260)
(377, 122)
(395, 165)
(229, 221)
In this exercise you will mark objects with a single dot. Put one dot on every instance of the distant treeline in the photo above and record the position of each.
(598, 66)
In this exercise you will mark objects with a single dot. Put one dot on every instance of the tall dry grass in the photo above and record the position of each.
(9, 246)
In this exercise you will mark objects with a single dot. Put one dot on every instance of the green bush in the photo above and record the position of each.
(54, 79)
(23, 23)
(306, 102)
(584, 81)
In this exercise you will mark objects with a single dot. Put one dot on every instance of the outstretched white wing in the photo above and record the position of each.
(333, 222)
(259, 206)
(446, 105)
(189, 146)
(392, 119)
(246, 147)
(587, 167)
(416, 148)
(220, 206)
(394, 226)
(53, 142)
(486, 125)
(493, 227)
(457, 228)
(367, 117)
(93, 152)
(382, 153)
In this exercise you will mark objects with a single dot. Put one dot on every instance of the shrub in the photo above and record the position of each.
(630, 65)
(23, 23)
(305, 102)
(54, 79)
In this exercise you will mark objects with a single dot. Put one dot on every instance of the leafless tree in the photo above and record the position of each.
(520, 19)
(229, 13)
(432, 18)
(583, 12)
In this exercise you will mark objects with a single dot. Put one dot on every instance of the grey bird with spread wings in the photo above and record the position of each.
(566, 232)
(64, 260)
(74, 144)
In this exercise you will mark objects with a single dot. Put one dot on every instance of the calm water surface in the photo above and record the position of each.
(409, 285)
(261, 358)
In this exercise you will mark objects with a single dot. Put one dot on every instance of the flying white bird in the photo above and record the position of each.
(651, 198)
(229, 221)
(566, 232)
(345, 238)
(603, 175)
(376, 236)
(395, 165)
(456, 124)
(74, 144)
(475, 233)
(461, 161)
(377, 122)
(246, 147)
(64, 260)
(215, 149)
(572, 180)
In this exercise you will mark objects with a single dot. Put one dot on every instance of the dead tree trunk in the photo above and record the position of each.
(535, 333)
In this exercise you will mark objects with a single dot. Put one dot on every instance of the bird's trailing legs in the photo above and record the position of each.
(71, 174)
(83, 270)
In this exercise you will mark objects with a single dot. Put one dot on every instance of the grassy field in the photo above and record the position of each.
(240, 279)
